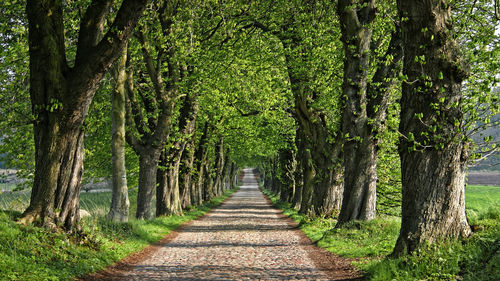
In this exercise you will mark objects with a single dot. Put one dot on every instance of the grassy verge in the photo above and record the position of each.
(33, 253)
(475, 258)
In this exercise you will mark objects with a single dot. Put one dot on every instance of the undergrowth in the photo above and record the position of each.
(33, 253)
(474, 258)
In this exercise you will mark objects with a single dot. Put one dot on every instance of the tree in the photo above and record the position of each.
(120, 204)
(61, 95)
(367, 101)
(151, 107)
(433, 149)
(168, 196)
(356, 22)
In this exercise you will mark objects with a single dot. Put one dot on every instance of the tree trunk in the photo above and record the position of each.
(188, 191)
(235, 177)
(148, 165)
(360, 174)
(200, 183)
(360, 181)
(365, 111)
(219, 160)
(226, 172)
(298, 175)
(308, 173)
(200, 156)
(55, 195)
(321, 159)
(288, 165)
(208, 183)
(120, 204)
(61, 96)
(169, 195)
(230, 175)
(168, 200)
(432, 150)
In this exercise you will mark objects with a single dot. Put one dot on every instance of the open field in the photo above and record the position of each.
(481, 200)
(484, 178)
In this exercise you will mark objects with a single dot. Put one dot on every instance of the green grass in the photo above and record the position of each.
(475, 258)
(33, 253)
(480, 200)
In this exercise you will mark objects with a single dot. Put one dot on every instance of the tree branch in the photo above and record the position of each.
(92, 25)
(383, 79)
(95, 61)
(132, 104)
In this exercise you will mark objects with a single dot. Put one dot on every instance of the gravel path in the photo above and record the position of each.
(243, 239)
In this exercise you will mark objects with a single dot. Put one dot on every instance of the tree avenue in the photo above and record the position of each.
(341, 106)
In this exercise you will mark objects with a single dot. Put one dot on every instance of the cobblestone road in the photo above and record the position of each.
(243, 239)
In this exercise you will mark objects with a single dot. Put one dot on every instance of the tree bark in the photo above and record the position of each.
(200, 156)
(208, 181)
(298, 175)
(120, 204)
(148, 165)
(61, 96)
(360, 174)
(432, 148)
(308, 174)
(321, 160)
(168, 200)
(287, 168)
(219, 160)
(187, 171)
(363, 126)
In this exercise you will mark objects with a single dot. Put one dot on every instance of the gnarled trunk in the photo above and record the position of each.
(433, 152)
(288, 165)
(365, 109)
(360, 181)
(321, 160)
(55, 196)
(169, 194)
(360, 174)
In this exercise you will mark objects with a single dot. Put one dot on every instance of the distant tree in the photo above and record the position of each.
(119, 210)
